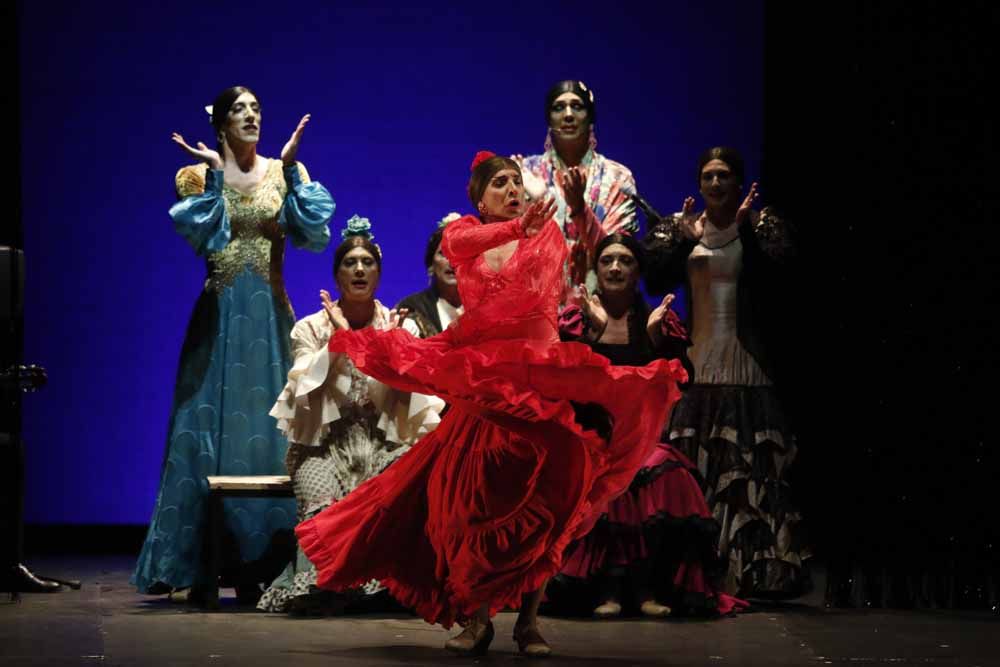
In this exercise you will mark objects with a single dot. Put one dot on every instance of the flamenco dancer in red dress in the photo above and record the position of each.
(475, 517)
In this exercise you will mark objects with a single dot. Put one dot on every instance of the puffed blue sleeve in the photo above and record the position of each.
(200, 217)
(306, 212)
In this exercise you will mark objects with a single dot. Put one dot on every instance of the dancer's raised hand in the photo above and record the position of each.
(199, 152)
(536, 215)
(291, 148)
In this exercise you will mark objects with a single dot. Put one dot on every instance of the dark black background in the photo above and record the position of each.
(879, 143)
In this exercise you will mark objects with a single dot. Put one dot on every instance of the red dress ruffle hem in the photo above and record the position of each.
(480, 510)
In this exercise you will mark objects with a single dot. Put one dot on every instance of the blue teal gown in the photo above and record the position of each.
(233, 364)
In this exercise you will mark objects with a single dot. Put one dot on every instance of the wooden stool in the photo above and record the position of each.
(233, 486)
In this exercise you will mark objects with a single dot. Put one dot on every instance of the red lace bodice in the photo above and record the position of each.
(523, 296)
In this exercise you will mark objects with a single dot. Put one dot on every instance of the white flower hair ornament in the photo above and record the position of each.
(451, 217)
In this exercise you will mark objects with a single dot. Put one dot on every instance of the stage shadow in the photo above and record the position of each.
(229, 605)
(164, 605)
(636, 618)
(425, 655)
(783, 607)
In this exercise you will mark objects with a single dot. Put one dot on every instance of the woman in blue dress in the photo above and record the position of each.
(236, 208)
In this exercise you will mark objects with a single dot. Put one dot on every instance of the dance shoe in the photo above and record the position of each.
(473, 640)
(609, 609)
(530, 642)
(19, 579)
(654, 609)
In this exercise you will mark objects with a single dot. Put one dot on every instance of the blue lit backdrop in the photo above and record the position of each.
(402, 95)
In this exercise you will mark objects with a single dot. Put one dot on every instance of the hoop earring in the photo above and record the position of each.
(548, 140)
(593, 139)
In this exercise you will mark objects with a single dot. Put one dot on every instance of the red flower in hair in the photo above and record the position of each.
(481, 156)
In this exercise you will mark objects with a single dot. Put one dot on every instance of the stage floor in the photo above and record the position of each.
(107, 623)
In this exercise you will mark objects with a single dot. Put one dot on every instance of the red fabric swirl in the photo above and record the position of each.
(481, 510)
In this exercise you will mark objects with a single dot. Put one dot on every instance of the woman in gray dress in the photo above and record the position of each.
(730, 422)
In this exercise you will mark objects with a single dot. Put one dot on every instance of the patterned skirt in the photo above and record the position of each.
(322, 476)
(741, 443)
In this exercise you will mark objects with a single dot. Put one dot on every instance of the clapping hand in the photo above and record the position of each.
(593, 310)
(396, 317)
(573, 182)
(291, 148)
(692, 224)
(202, 153)
(333, 311)
(655, 317)
(747, 206)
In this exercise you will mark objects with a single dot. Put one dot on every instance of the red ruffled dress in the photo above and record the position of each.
(480, 510)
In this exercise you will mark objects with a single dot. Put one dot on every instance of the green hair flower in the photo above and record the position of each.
(357, 226)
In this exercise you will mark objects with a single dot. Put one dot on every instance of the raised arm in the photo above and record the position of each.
(308, 206)
(307, 209)
(467, 238)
